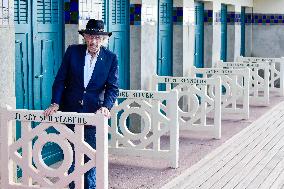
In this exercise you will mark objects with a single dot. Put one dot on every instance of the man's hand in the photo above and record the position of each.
(105, 112)
(51, 109)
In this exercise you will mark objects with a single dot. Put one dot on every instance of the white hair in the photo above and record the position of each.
(105, 40)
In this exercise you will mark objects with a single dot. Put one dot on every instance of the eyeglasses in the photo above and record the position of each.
(97, 37)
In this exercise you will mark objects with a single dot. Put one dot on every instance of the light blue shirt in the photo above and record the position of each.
(89, 67)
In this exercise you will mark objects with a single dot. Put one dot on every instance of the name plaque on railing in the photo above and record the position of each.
(162, 79)
(219, 71)
(142, 94)
(39, 117)
(254, 65)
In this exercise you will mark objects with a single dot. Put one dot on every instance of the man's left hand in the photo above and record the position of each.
(105, 112)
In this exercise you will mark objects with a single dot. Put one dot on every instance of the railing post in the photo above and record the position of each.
(102, 149)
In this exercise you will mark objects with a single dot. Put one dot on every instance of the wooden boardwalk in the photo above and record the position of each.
(254, 158)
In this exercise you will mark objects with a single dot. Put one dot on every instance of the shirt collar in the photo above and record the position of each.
(88, 54)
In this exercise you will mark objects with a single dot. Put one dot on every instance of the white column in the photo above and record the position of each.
(216, 33)
(177, 41)
(149, 29)
(188, 36)
(237, 33)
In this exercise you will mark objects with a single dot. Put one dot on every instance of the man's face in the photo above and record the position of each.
(93, 42)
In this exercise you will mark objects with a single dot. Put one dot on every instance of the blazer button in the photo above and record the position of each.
(81, 102)
(85, 92)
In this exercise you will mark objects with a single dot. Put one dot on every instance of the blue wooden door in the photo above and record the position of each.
(48, 48)
(118, 23)
(224, 32)
(199, 35)
(39, 48)
(243, 31)
(23, 54)
(165, 38)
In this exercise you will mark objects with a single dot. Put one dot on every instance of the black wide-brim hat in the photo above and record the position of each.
(95, 27)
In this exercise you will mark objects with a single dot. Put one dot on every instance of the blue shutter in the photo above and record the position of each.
(243, 31)
(48, 48)
(199, 35)
(118, 23)
(224, 32)
(23, 53)
(165, 38)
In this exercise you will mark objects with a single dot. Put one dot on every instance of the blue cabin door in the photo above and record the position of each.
(224, 32)
(118, 23)
(165, 38)
(199, 35)
(23, 54)
(243, 31)
(39, 48)
(48, 47)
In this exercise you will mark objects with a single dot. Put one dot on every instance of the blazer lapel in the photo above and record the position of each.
(81, 63)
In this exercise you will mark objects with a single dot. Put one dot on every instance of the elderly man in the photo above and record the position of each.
(87, 81)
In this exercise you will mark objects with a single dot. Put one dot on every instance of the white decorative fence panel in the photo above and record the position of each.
(259, 81)
(276, 69)
(146, 143)
(201, 105)
(35, 173)
(235, 89)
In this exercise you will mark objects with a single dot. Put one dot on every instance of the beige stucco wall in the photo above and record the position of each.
(270, 7)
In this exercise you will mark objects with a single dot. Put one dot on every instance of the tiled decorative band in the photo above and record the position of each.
(208, 17)
(71, 8)
(177, 15)
(135, 14)
(267, 19)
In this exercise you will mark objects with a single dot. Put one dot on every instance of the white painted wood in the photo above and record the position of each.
(246, 158)
(276, 71)
(235, 98)
(221, 168)
(279, 182)
(250, 169)
(259, 81)
(202, 103)
(145, 143)
(261, 132)
(37, 177)
(265, 175)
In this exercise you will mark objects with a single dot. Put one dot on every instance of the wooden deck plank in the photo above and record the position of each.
(245, 142)
(279, 182)
(258, 146)
(264, 174)
(248, 170)
(274, 174)
(243, 158)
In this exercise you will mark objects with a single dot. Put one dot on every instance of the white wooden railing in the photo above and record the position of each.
(200, 104)
(146, 143)
(235, 90)
(259, 81)
(39, 175)
(276, 69)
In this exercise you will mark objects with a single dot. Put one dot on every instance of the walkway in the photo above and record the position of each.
(254, 158)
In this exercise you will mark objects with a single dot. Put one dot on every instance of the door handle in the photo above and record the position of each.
(39, 76)
(161, 58)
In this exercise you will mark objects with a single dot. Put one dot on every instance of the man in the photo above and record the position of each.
(87, 81)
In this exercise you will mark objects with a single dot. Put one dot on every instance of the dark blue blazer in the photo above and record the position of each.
(68, 88)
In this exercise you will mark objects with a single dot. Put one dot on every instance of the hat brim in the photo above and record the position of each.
(94, 32)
